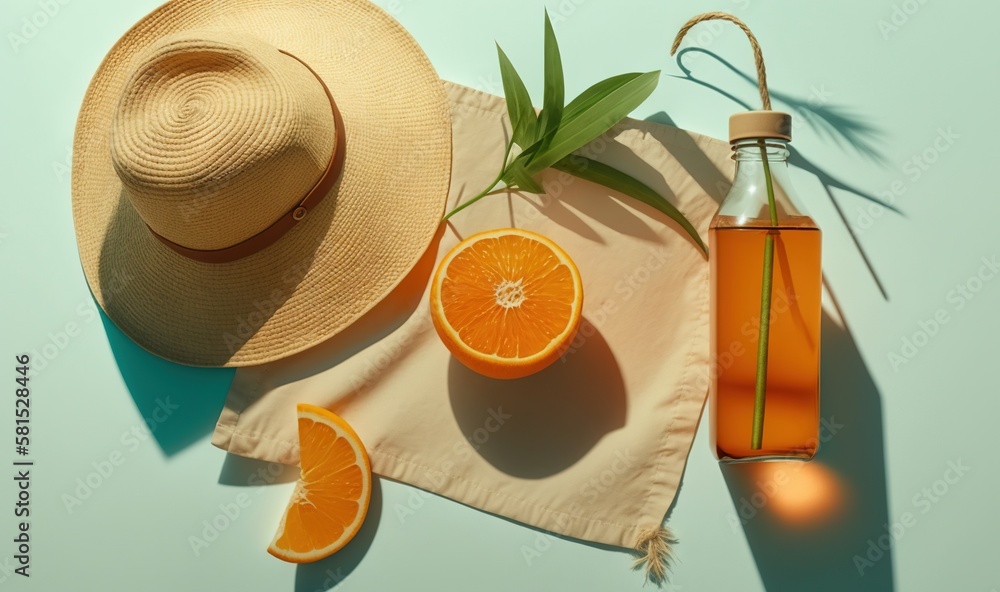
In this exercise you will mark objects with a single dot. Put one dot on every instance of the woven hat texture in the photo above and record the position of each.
(207, 122)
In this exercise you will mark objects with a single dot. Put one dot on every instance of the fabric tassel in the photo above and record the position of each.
(654, 551)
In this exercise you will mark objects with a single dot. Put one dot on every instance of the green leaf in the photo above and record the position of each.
(489, 188)
(519, 108)
(516, 174)
(555, 92)
(517, 177)
(595, 93)
(610, 177)
(590, 97)
(593, 117)
(522, 159)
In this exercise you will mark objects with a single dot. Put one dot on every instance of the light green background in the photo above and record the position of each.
(901, 426)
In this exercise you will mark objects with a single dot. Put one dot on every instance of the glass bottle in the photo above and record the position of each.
(789, 427)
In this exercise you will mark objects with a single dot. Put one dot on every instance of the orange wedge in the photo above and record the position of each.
(507, 302)
(331, 498)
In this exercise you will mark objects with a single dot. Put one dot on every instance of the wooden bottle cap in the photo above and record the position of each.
(752, 125)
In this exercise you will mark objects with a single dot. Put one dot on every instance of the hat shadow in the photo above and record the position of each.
(810, 525)
(537, 426)
(179, 404)
(200, 393)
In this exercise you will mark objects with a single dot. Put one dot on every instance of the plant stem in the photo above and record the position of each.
(485, 192)
(760, 386)
(478, 197)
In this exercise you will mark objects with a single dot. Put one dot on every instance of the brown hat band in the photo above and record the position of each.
(282, 225)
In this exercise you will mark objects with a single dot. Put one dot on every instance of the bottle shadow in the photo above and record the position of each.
(549, 420)
(831, 121)
(822, 525)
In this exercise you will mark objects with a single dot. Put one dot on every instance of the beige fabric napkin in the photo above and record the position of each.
(592, 447)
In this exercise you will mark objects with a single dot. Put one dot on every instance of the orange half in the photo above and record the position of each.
(331, 498)
(507, 303)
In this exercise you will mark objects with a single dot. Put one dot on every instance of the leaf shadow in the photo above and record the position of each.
(556, 211)
(686, 152)
(831, 121)
(600, 203)
(835, 122)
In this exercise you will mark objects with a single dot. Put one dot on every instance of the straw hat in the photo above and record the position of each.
(250, 177)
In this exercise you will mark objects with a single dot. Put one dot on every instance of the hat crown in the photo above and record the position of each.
(217, 136)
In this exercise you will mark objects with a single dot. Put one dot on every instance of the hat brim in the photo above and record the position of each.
(324, 274)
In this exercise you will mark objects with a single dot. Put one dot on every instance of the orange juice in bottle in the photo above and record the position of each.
(764, 400)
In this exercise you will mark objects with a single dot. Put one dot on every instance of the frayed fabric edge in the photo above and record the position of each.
(654, 548)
